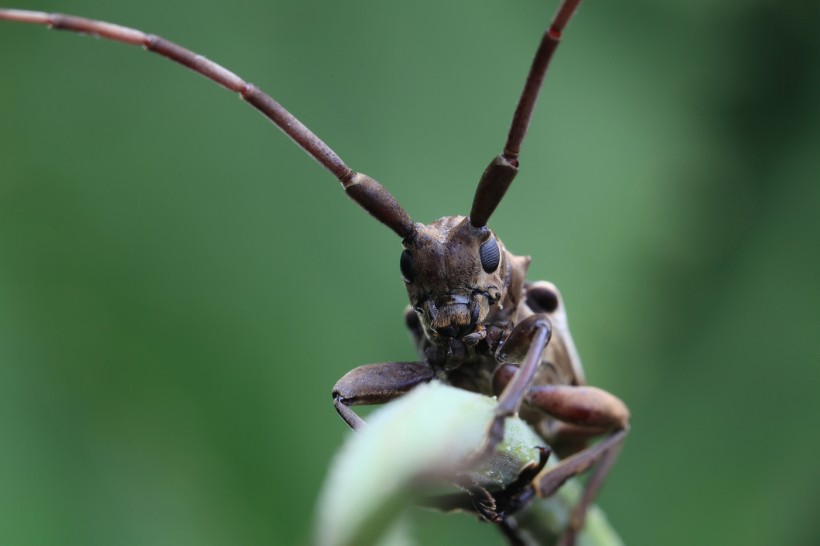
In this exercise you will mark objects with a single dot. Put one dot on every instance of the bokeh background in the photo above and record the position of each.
(180, 286)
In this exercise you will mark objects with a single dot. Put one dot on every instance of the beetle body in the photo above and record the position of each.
(477, 323)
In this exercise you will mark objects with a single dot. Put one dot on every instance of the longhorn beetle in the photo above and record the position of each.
(477, 322)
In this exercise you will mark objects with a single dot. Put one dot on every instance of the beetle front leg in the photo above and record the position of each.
(524, 345)
(376, 384)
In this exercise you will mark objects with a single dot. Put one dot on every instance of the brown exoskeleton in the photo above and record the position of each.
(478, 324)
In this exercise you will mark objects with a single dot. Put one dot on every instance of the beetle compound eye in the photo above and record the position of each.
(406, 266)
(489, 254)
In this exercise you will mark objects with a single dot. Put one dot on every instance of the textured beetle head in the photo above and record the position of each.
(455, 273)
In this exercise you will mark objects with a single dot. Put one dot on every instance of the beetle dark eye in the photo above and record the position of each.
(489, 254)
(406, 266)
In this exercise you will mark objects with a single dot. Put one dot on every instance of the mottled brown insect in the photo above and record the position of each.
(477, 322)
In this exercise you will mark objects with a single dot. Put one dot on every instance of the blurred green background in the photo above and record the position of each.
(180, 286)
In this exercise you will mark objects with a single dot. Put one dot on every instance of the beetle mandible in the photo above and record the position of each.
(477, 322)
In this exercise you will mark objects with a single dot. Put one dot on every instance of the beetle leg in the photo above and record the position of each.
(594, 408)
(591, 488)
(601, 455)
(580, 405)
(524, 345)
(376, 384)
(583, 411)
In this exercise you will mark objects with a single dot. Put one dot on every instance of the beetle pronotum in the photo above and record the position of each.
(476, 321)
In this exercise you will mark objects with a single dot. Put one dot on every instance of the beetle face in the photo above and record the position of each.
(455, 273)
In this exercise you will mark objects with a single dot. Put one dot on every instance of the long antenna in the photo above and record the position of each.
(502, 170)
(368, 193)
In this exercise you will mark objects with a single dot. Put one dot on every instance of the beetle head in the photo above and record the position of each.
(455, 274)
